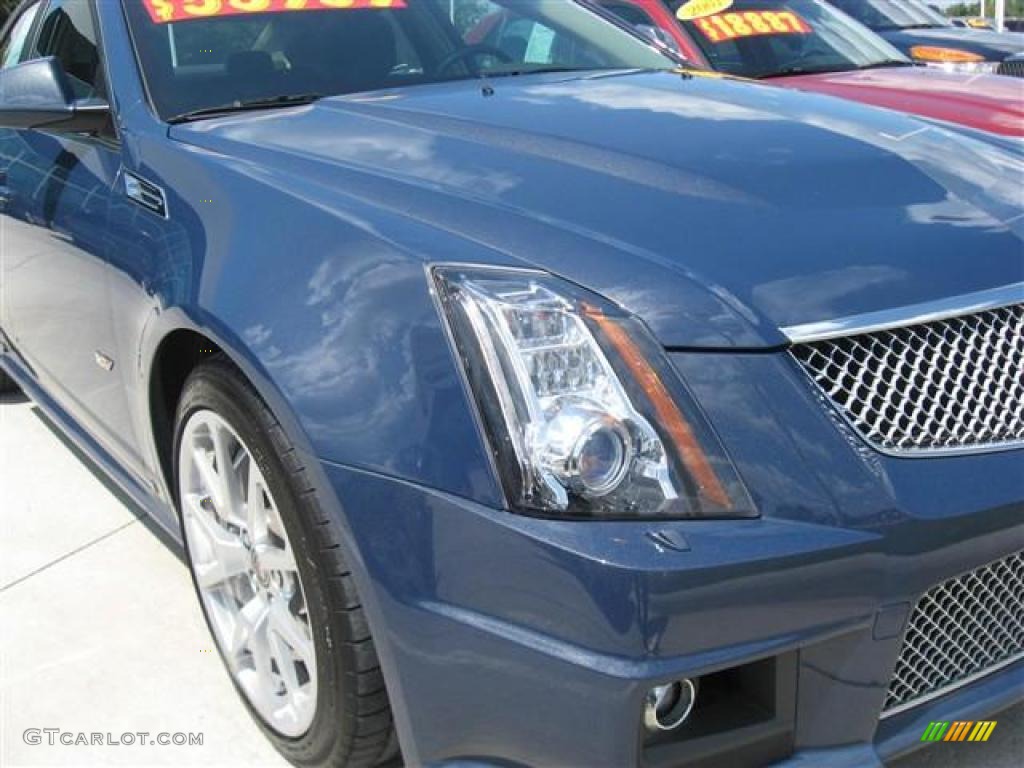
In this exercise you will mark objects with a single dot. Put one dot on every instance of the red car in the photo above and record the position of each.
(808, 44)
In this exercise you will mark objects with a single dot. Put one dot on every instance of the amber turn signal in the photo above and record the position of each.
(937, 54)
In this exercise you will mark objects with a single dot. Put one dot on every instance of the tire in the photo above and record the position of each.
(6, 383)
(351, 724)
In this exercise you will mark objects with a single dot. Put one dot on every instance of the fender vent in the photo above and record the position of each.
(145, 193)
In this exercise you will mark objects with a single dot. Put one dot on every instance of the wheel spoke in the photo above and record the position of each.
(285, 663)
(293, 631)
(259, 648)
(255, 504)
(222, 569)
(210, 481)
(226, 472)
(278, 559)
(226, 557)
(248, 621)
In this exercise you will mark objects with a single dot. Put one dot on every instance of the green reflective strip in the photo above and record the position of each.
(940, 731)
(926, 736)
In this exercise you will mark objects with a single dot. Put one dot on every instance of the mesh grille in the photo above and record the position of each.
(948, 384)
(960, 629)
(1013, 68)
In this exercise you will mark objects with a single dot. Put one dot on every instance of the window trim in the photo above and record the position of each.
(48, 5)
(140, 71)
(113, 140)
(15, 17)
(610, 5)
(595, 7)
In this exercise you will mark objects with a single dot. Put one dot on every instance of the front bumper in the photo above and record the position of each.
(507, 640)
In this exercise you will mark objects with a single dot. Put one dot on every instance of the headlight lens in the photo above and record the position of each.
(968, 68)
(580, 418)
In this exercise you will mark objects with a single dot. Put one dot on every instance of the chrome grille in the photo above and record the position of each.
(1013, 68)
(960, 630)
(956, 383)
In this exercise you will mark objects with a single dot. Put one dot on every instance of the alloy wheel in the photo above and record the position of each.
(246, 574)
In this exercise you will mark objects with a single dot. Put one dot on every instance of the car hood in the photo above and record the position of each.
(717, 211)
(986, 102)
(994, 46)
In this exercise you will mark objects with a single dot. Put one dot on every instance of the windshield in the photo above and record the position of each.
(883, 15)
(773, 38)
(201, 55)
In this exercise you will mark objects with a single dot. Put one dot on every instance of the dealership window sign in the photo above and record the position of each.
(164, 11)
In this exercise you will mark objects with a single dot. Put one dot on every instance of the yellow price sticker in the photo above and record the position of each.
(698, 9)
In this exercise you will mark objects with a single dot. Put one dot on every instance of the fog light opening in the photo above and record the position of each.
(668, 706)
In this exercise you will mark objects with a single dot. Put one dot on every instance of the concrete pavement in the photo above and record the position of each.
(99, 628)
(100, 631)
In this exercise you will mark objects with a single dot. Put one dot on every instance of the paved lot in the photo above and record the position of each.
(99, 631)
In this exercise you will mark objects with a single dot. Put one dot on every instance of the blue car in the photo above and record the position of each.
(528, 403)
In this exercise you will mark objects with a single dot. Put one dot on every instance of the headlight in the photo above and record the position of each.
(953, 60)
(584, 415)
(968, 67)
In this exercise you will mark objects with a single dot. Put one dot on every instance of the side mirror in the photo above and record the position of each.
(38, 94)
